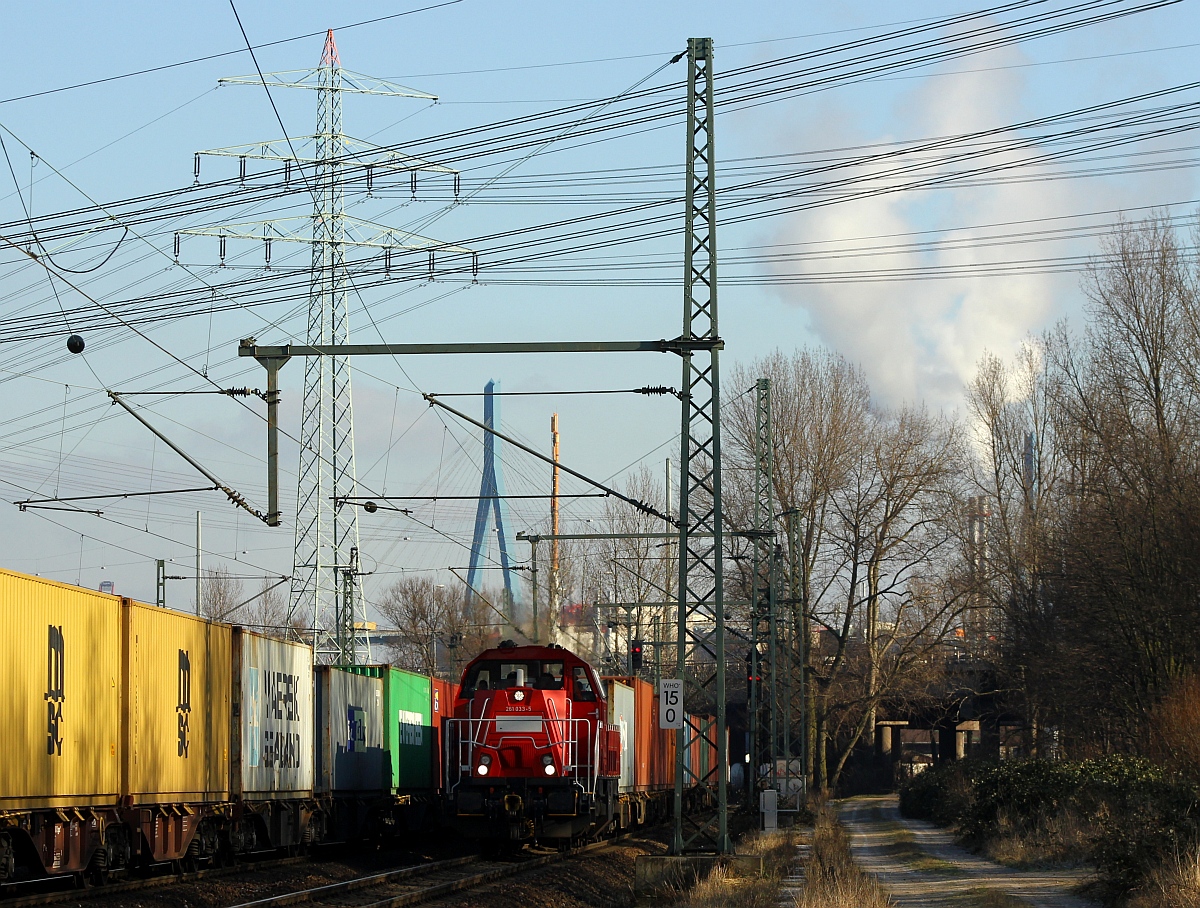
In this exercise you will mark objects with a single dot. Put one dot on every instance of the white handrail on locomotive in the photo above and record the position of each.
(475, 726)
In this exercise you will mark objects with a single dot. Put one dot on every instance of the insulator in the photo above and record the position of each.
(431, 266)
(177, 248)
(242, 169)
(222, 239)
(475, 265)
(456, 184)
(387, 260)
(287, 172)
(267, 249)
(196, 168)
(370, 178)
(412, 182)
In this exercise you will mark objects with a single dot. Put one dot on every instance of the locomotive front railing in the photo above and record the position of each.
(574, 742)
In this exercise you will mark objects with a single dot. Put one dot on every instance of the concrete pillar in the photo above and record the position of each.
(885, 739)
(960, 744)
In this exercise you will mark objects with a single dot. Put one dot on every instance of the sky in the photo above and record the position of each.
(914, 284)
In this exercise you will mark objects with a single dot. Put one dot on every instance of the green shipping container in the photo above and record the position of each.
(407, 727)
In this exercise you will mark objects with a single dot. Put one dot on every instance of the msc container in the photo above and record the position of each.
(60, 695)
(271, 753)
(177, 706)
(622, 712)
(442, 694)
(407, 731)
(349, 726)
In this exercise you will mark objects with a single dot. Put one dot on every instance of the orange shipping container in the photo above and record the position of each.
(443, 695)
(662, 754)
(178, 671)
(60, 711)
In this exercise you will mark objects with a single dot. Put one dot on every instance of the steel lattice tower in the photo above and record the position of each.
(327, 535)
(325, 588)
(700, 629)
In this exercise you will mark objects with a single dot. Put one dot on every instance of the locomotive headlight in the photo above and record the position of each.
(482, 769)
(547, 759)
(485, 759)
(549, 769)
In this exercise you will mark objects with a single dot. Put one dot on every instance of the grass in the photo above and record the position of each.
(832, 879)
(722, 888)
(1060, 840)
(1176, 884)
(994, 898)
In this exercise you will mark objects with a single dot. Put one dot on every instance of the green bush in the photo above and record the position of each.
(941, 793)
(1139, 814)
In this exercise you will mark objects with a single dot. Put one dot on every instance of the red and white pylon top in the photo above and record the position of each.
(330, 55)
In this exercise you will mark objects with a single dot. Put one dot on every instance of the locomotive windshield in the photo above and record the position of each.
(499, 674)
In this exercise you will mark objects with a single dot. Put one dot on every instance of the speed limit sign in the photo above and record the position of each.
(670, 704)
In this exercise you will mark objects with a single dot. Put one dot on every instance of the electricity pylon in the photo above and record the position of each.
(325, 578)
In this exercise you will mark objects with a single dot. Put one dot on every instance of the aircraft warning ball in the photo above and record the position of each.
(75, 343)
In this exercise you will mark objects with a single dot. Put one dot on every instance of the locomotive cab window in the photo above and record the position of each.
(550, 677)
(495, 675)
(584, 692)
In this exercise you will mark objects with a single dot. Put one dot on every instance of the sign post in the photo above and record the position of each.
(670, 703)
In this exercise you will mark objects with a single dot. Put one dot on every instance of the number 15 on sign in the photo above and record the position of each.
(670, 703)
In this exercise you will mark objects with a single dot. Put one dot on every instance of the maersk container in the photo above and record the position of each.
(60, 695)
(622, 712)
(349, 726)
(177, 705)
(272, 723)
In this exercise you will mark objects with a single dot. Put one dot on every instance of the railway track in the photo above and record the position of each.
(156, 882)
(388, 889)
(412, 885)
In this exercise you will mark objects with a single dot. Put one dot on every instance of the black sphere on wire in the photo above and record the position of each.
(75, 343)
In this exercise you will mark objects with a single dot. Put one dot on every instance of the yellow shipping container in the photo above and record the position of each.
(60, 696)
(179, 671)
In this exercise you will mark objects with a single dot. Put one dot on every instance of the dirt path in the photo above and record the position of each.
(919, 864)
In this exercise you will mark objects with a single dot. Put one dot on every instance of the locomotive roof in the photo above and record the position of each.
(540, 652)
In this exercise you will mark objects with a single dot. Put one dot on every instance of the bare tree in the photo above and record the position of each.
(266, 613)
(1090, 455)
(221, 594)
(435, 626)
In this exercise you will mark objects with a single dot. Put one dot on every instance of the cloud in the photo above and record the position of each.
(920, 340)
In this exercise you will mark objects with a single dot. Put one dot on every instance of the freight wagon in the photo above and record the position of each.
(117, 731)
(349, 753)
(647, 781)
(139, 735)
(271, 754)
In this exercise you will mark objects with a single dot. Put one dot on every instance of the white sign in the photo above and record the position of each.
(670, 704)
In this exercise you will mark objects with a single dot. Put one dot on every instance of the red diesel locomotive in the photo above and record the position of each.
(541, 748)
(530, 752)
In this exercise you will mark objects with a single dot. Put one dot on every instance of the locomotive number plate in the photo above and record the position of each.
(521, 724)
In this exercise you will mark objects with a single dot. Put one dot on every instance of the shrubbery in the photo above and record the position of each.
(1138, 816)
